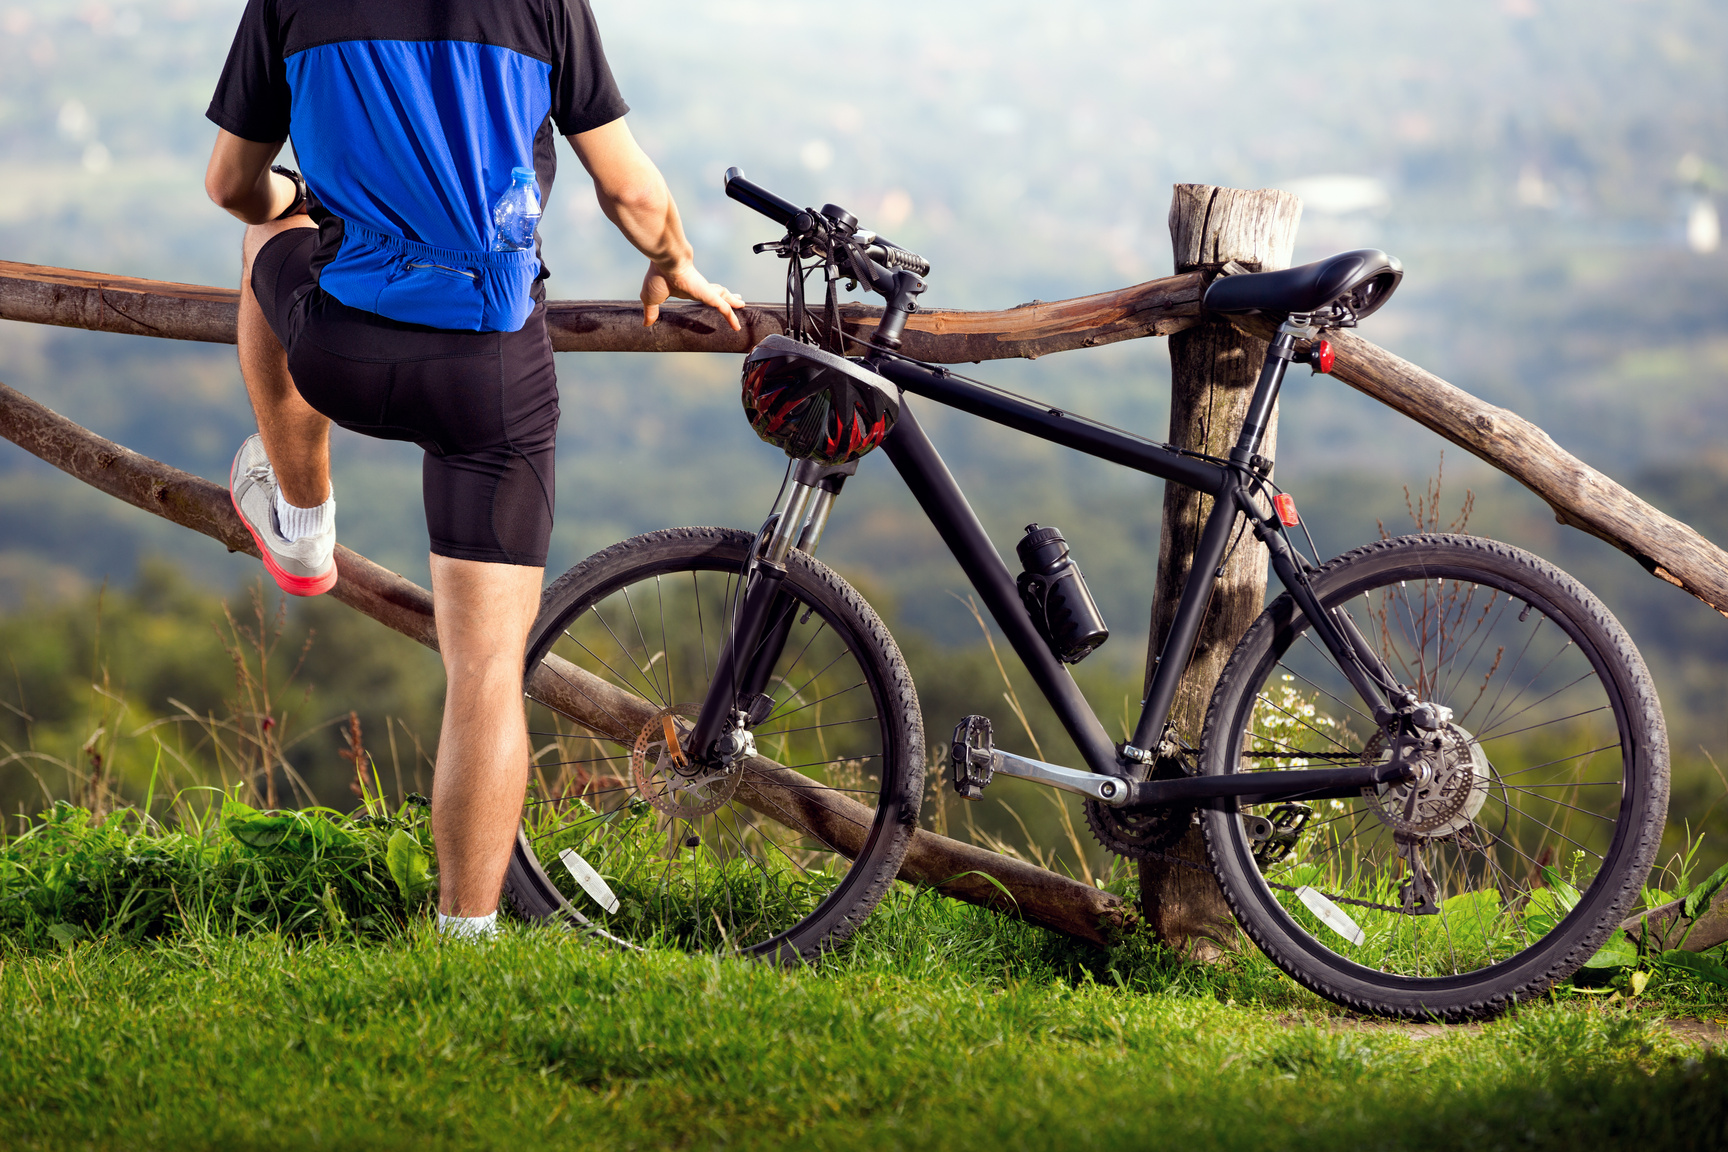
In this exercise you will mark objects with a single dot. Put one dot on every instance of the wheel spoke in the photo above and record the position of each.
(754, 868)
(1532, 785)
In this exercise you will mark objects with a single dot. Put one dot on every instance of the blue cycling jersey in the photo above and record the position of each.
(407, 120)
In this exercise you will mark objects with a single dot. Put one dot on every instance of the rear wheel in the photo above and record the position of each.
(1538, 815)
(784, 854)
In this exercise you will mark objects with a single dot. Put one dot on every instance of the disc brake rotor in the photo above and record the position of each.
(664, 774)
(1450, 789)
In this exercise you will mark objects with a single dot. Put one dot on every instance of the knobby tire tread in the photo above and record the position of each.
(527, 888)
(1497, 991)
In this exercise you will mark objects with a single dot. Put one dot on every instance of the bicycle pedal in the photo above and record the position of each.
(972, 757)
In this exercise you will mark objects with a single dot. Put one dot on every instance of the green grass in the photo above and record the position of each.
(542, 1040)
(263, 982)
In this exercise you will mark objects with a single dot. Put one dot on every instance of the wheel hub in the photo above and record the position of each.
(667, 777)
(1451, 784)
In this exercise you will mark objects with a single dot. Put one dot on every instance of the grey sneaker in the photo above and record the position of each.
(306, 567)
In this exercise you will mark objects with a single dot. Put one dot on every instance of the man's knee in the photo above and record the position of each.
(484, 610)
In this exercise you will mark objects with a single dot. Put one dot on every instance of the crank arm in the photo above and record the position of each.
(1092, 785)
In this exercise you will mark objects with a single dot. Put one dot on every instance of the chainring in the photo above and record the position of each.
(1143, 833)
(682, 791)
(1138, 833)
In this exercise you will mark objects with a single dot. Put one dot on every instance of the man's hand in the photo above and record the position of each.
(686, 283)
(634, 196)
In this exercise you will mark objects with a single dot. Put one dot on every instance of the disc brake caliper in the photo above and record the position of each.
(1416, 893)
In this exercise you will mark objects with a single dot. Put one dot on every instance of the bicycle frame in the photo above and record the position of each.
(1232, 484)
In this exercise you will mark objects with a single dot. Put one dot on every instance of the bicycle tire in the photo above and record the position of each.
(769, 870)
(1535, 834)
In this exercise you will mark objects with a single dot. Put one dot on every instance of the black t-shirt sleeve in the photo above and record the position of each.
(252, 96)
(584, 95)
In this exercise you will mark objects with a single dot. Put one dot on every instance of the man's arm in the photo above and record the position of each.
(239, 179)
(634, 196)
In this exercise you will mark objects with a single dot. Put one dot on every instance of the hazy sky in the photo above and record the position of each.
(1028, 147)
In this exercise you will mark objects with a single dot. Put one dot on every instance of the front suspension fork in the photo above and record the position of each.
(766, 611)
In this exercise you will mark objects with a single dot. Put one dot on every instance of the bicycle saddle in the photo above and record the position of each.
(1362, 281)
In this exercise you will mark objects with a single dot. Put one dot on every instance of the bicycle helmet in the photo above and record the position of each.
(815, 405)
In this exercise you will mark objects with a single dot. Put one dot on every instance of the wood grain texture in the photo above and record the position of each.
(1578, 494)
(43, 295)
(956, 869)
(60, 296)
(1213, 370)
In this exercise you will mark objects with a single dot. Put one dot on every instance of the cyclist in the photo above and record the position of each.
(370, 296)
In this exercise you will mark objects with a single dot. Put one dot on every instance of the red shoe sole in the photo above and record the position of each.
(289, 583)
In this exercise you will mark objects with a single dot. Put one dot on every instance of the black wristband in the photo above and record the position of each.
(299, 190)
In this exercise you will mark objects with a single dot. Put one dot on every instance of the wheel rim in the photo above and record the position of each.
(741, 862)
(1520, 829)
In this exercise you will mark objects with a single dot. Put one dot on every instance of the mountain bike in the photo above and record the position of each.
(1431, 779)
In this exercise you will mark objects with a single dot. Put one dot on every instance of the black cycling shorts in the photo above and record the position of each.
(484, 405)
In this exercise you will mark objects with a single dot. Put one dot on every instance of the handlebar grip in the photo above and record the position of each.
(758, 198)
(892, 256)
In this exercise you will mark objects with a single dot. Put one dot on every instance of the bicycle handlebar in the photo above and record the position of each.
(891, 255)
(758, 198)
(783, 212)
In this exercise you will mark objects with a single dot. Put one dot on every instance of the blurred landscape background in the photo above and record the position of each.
(1551, 175)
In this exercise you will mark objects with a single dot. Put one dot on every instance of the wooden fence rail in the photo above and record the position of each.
(136, 307)
(1578, 494)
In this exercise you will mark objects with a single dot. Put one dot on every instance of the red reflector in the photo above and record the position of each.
(1286, 505)
(1321, 356)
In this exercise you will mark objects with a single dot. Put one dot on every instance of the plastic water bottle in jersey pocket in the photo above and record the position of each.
(517, 213)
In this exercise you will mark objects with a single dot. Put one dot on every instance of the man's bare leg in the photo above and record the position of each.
(484, 612)
(296, 435)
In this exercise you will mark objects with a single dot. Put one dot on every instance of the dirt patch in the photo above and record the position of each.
(1416, 1030)
(1688, 1029)
(1431, 1031)
(1710, 1033)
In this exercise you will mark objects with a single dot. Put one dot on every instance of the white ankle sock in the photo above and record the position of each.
(298, 523)
(468, 927)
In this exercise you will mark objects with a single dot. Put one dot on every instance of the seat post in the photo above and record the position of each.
(1278, 355)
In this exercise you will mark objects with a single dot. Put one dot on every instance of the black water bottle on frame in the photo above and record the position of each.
(1056, 596)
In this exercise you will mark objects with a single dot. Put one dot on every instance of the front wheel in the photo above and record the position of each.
(783, 853)
(1537, 815)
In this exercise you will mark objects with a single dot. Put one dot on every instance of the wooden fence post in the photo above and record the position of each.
(1213, 368)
